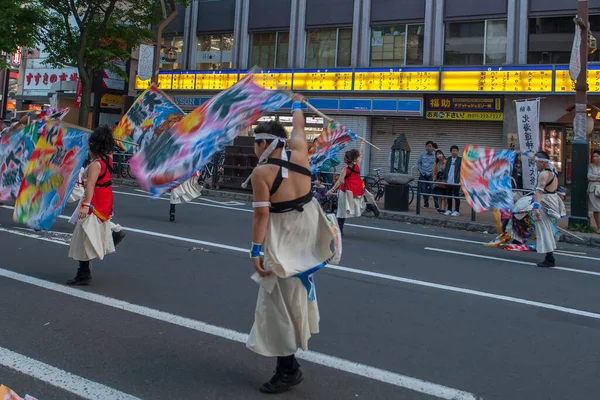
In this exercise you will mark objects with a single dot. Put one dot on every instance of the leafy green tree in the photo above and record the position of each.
(20, 21)
(89, 34)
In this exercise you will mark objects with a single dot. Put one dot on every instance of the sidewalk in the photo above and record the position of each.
(484, 223)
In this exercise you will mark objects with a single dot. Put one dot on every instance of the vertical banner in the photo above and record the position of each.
(528, 124)
(78, 95)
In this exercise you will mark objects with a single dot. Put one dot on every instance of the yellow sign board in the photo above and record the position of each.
(216, 80)
(111, 101)
(497, 79)
(323, 80)
(142, 84)
(563, 82)
(184, 81)
(165, 81)
(465, 115)
(397, 80)
(272, 80)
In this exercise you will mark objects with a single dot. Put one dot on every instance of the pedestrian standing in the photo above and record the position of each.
(295, 236)
(351, 201)
(452, 177)
(594, 187)
(92, 237)
(439, 169)
(425, 166)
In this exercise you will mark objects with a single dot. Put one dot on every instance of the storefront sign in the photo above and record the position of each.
(215, 80)
(113, 101)
(274, 79)
(184, 80)
(165, 81)
(141, 84)
(528, 123)
(563, 82)
(535, 79)
(513, 141)
(44, 78)
(187, 102)
(397, 79)
(113, 80)
(465, 108)
(323, 80)
(145, 61)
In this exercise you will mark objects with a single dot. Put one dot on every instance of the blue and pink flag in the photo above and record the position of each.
(191, 143)
(334, 138)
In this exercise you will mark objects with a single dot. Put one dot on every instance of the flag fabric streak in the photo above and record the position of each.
(485, 178)
(15, 150)
(51, 174)
(152, 113)
(190, 144)
(334, 138)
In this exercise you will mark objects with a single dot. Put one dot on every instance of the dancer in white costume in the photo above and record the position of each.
(548, 208)
(295, 235)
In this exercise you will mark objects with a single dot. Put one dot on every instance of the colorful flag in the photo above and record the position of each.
(485, 178)
(334, 138)
(152, 113)
(190, 144)
(51, 174)
(7, 393)
(15, 150)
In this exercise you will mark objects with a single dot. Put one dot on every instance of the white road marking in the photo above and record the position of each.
(377, 228)
(192, 202)
(34, 235)
(371, 274)
(339, 364)
(462, 253)
(58, 378)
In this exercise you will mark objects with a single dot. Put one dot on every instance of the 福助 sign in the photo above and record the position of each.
(465, 108)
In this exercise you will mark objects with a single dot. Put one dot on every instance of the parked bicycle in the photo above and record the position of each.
(376, 185)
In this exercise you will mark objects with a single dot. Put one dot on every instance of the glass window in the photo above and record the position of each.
(214, 52)
(329, 48)
(551, 39)
(397, 45)
(475, 43)
(270, 49)
(171, 56)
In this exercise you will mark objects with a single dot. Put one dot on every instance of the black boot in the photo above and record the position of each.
(172, 213)
(287, 374)
(548, 261)
(117, 237)
(84, 275)
(341, 225)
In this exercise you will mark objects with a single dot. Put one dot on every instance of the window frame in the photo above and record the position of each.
(485, 37)
(277, 50)
(221, 49)
(337, 45)
(406, 33)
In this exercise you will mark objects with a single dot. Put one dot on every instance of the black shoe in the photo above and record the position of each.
(282, 381)
(118, 237)
(376, 211)
(546, 264)
(172, 217)
(81, 279)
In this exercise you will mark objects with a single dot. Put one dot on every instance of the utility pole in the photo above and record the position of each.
(580, 149)
(158, 36)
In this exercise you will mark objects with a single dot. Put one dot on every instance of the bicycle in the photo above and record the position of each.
(376, 185)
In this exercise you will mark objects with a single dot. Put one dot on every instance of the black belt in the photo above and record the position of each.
(292, 205)
(104, 185)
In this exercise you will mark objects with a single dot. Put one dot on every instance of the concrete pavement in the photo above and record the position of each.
(411, 312)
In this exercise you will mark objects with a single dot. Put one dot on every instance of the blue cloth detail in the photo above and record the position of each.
(308, 280)
(296, 106)
(255, 250)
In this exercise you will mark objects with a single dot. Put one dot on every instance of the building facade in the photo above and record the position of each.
(441, 70)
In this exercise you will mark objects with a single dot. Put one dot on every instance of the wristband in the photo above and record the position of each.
(536, 206)
(255, 250)
(297, 106)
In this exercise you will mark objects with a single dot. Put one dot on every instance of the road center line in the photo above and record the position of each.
(340, 364)
(462, 253)
(58, 378)
(191, 202)
(378, 275)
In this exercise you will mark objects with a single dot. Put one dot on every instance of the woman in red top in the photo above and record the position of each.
(351, 202)
(92, 237)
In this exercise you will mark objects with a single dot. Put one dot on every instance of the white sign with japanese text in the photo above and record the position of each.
(528, 123)
(49, 78)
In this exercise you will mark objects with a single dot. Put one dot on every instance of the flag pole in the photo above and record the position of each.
(313, 108)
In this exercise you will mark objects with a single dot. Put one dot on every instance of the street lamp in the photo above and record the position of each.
(581, 126)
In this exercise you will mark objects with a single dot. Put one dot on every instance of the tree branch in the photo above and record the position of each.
(107, 15)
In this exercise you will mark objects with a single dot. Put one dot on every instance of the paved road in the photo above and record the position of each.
(411, 312)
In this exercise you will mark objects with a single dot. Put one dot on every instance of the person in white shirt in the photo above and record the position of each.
(452, 177)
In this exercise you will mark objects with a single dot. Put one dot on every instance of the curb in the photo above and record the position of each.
(393, 216)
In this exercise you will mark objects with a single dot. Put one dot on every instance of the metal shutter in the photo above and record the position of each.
(360, 126)
(445, 133)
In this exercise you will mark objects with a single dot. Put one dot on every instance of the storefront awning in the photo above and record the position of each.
(592, 110)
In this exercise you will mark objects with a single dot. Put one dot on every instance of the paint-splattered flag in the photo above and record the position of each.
(485, 178)
(334, 138)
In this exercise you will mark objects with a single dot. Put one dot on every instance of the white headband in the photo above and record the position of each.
(265, 155)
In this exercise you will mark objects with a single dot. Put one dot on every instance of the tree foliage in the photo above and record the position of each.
(20, 21)
(89, 34)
